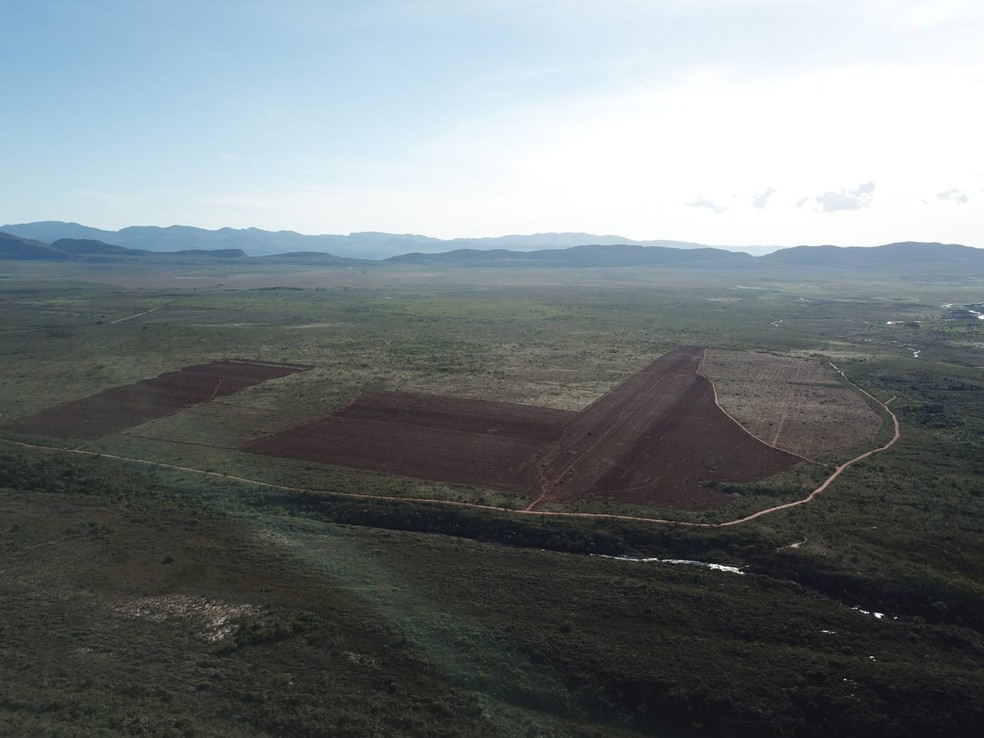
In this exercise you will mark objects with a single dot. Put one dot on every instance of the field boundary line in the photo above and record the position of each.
(492, 508)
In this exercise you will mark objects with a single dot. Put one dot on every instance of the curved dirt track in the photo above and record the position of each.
(545, 513)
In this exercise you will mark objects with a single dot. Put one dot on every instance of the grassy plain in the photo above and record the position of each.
(360, 616)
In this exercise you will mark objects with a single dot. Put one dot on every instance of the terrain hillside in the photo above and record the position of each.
(894, 255)
(13, 247)
(89, 247)
(75, 249)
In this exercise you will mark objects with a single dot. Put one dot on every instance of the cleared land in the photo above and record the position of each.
(428, 436)
(131, 405)
(794, 404)
(655, 439)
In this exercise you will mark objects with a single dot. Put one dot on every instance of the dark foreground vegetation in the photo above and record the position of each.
(142, 600)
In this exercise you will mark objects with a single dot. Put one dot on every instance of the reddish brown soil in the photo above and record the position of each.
(130, 405)
(655, 439)
(440, 438)
(521, 422)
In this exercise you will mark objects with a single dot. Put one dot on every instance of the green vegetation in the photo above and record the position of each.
(143, 600)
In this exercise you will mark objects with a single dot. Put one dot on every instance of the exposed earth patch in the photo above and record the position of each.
(130, 405)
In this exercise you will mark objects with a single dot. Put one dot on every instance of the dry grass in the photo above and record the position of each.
(212, 620)
(795, 404)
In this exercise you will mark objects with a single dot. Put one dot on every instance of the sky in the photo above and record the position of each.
(725, 122)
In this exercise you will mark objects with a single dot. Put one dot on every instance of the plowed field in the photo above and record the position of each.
(433, 437)
(130, 405)
(654, 439)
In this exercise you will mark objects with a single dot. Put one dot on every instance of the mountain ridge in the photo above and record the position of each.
(909, 255)
(586, 255)
(374, 245)
(15, 248)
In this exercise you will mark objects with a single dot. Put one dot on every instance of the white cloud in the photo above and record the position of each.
(846, 199)
(703, 202)
(761, 199)
(954, 195)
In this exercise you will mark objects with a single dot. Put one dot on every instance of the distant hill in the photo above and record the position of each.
(21, 249)
(91, 247)
(543, 241)
(86, 249)
(318, 258)
(210, 253)
(591, 255)
(907, 255)
(50, 231)
(253, 241)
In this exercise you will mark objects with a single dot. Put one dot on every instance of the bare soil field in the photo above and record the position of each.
(505, 419)
(796, 404)
(428, 436)
(131, 405)
(656, 439)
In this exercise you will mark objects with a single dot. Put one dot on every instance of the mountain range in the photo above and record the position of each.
(15, 248)
(257, 242)
(30, 241)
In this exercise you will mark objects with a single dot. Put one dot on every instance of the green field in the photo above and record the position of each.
(139, 599)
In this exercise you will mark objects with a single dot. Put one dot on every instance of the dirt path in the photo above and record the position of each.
(473, 505)
(700, 372)
(787, 401)
(544, 493)
(137, 315)
(794, 545)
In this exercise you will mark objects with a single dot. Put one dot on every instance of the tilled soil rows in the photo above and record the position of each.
(130, 405)
(433, 437)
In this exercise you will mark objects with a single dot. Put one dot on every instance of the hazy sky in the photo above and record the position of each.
(720, 121)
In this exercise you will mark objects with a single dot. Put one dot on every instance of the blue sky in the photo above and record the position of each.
(739, 122)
